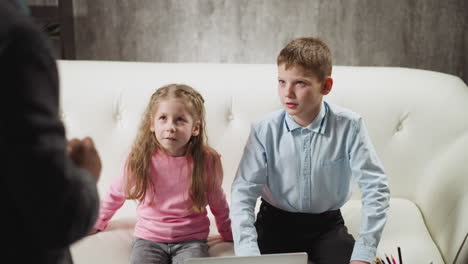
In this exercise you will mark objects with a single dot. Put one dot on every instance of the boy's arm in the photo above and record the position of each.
(246, 188)
(372, 181)
(217, 201)
(111, 202)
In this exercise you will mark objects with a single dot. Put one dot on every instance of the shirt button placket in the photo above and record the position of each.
(306, 169)
(309, 171)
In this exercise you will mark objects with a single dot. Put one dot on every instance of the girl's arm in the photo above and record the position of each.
(110, 203)
(217, 199)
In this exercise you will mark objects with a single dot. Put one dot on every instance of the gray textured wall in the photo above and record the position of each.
(42, 2)
(427, 34)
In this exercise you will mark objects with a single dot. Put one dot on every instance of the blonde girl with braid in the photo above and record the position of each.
(173, 174)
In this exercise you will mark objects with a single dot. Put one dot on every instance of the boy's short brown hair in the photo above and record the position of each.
(311, 53)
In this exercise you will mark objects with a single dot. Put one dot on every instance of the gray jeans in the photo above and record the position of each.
(150, 252)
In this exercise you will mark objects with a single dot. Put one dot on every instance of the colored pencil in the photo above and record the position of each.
(399, 255)
(388, 259)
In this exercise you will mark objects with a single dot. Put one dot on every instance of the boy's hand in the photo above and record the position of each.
(84, 155)
(358, 262)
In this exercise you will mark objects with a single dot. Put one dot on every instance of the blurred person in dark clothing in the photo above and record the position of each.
(48, 184)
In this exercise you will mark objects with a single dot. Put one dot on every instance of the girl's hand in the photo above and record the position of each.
(93, 231)
(358, 262)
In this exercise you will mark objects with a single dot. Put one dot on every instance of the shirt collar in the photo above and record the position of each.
(317, 126)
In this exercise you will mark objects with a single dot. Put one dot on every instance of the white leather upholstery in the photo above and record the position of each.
(417, 120)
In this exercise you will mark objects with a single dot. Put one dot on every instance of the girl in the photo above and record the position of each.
(174, 175)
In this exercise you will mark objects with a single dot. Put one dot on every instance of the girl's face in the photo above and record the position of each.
(173, 126)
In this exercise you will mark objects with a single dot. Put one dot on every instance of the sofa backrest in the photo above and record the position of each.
(417, 121)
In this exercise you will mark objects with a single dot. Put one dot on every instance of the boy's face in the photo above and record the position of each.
(301, 92)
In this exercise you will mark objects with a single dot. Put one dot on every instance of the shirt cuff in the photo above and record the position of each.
(227, 236)
(247, 251)
(364, 253)
(100, 225)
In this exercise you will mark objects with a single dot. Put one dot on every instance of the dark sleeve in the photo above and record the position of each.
(53, 202)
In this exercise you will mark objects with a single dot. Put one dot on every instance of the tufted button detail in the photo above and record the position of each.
(230, 115)
(117, 115)
(399, 126)
(61, 114)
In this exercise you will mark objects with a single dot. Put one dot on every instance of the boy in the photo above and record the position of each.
(303, 161)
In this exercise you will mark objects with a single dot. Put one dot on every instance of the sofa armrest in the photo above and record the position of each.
(442, 197)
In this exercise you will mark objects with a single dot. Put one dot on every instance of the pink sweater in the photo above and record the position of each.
(169, 219)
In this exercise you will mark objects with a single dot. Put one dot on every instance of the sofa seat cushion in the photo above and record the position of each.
(405, 228)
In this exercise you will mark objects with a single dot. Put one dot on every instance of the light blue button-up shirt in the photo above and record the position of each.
(310, 170)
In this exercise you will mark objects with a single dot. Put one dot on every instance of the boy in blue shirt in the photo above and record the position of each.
(303, 162)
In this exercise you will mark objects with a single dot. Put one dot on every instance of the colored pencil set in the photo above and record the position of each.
(390, 260)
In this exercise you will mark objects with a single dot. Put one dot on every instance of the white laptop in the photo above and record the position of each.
(288, 258)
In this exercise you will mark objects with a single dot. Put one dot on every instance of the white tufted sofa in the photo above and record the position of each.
(418, 121)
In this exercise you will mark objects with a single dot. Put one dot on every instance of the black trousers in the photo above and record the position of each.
(323, 236)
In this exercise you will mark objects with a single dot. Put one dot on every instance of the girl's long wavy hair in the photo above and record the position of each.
(138, 179)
